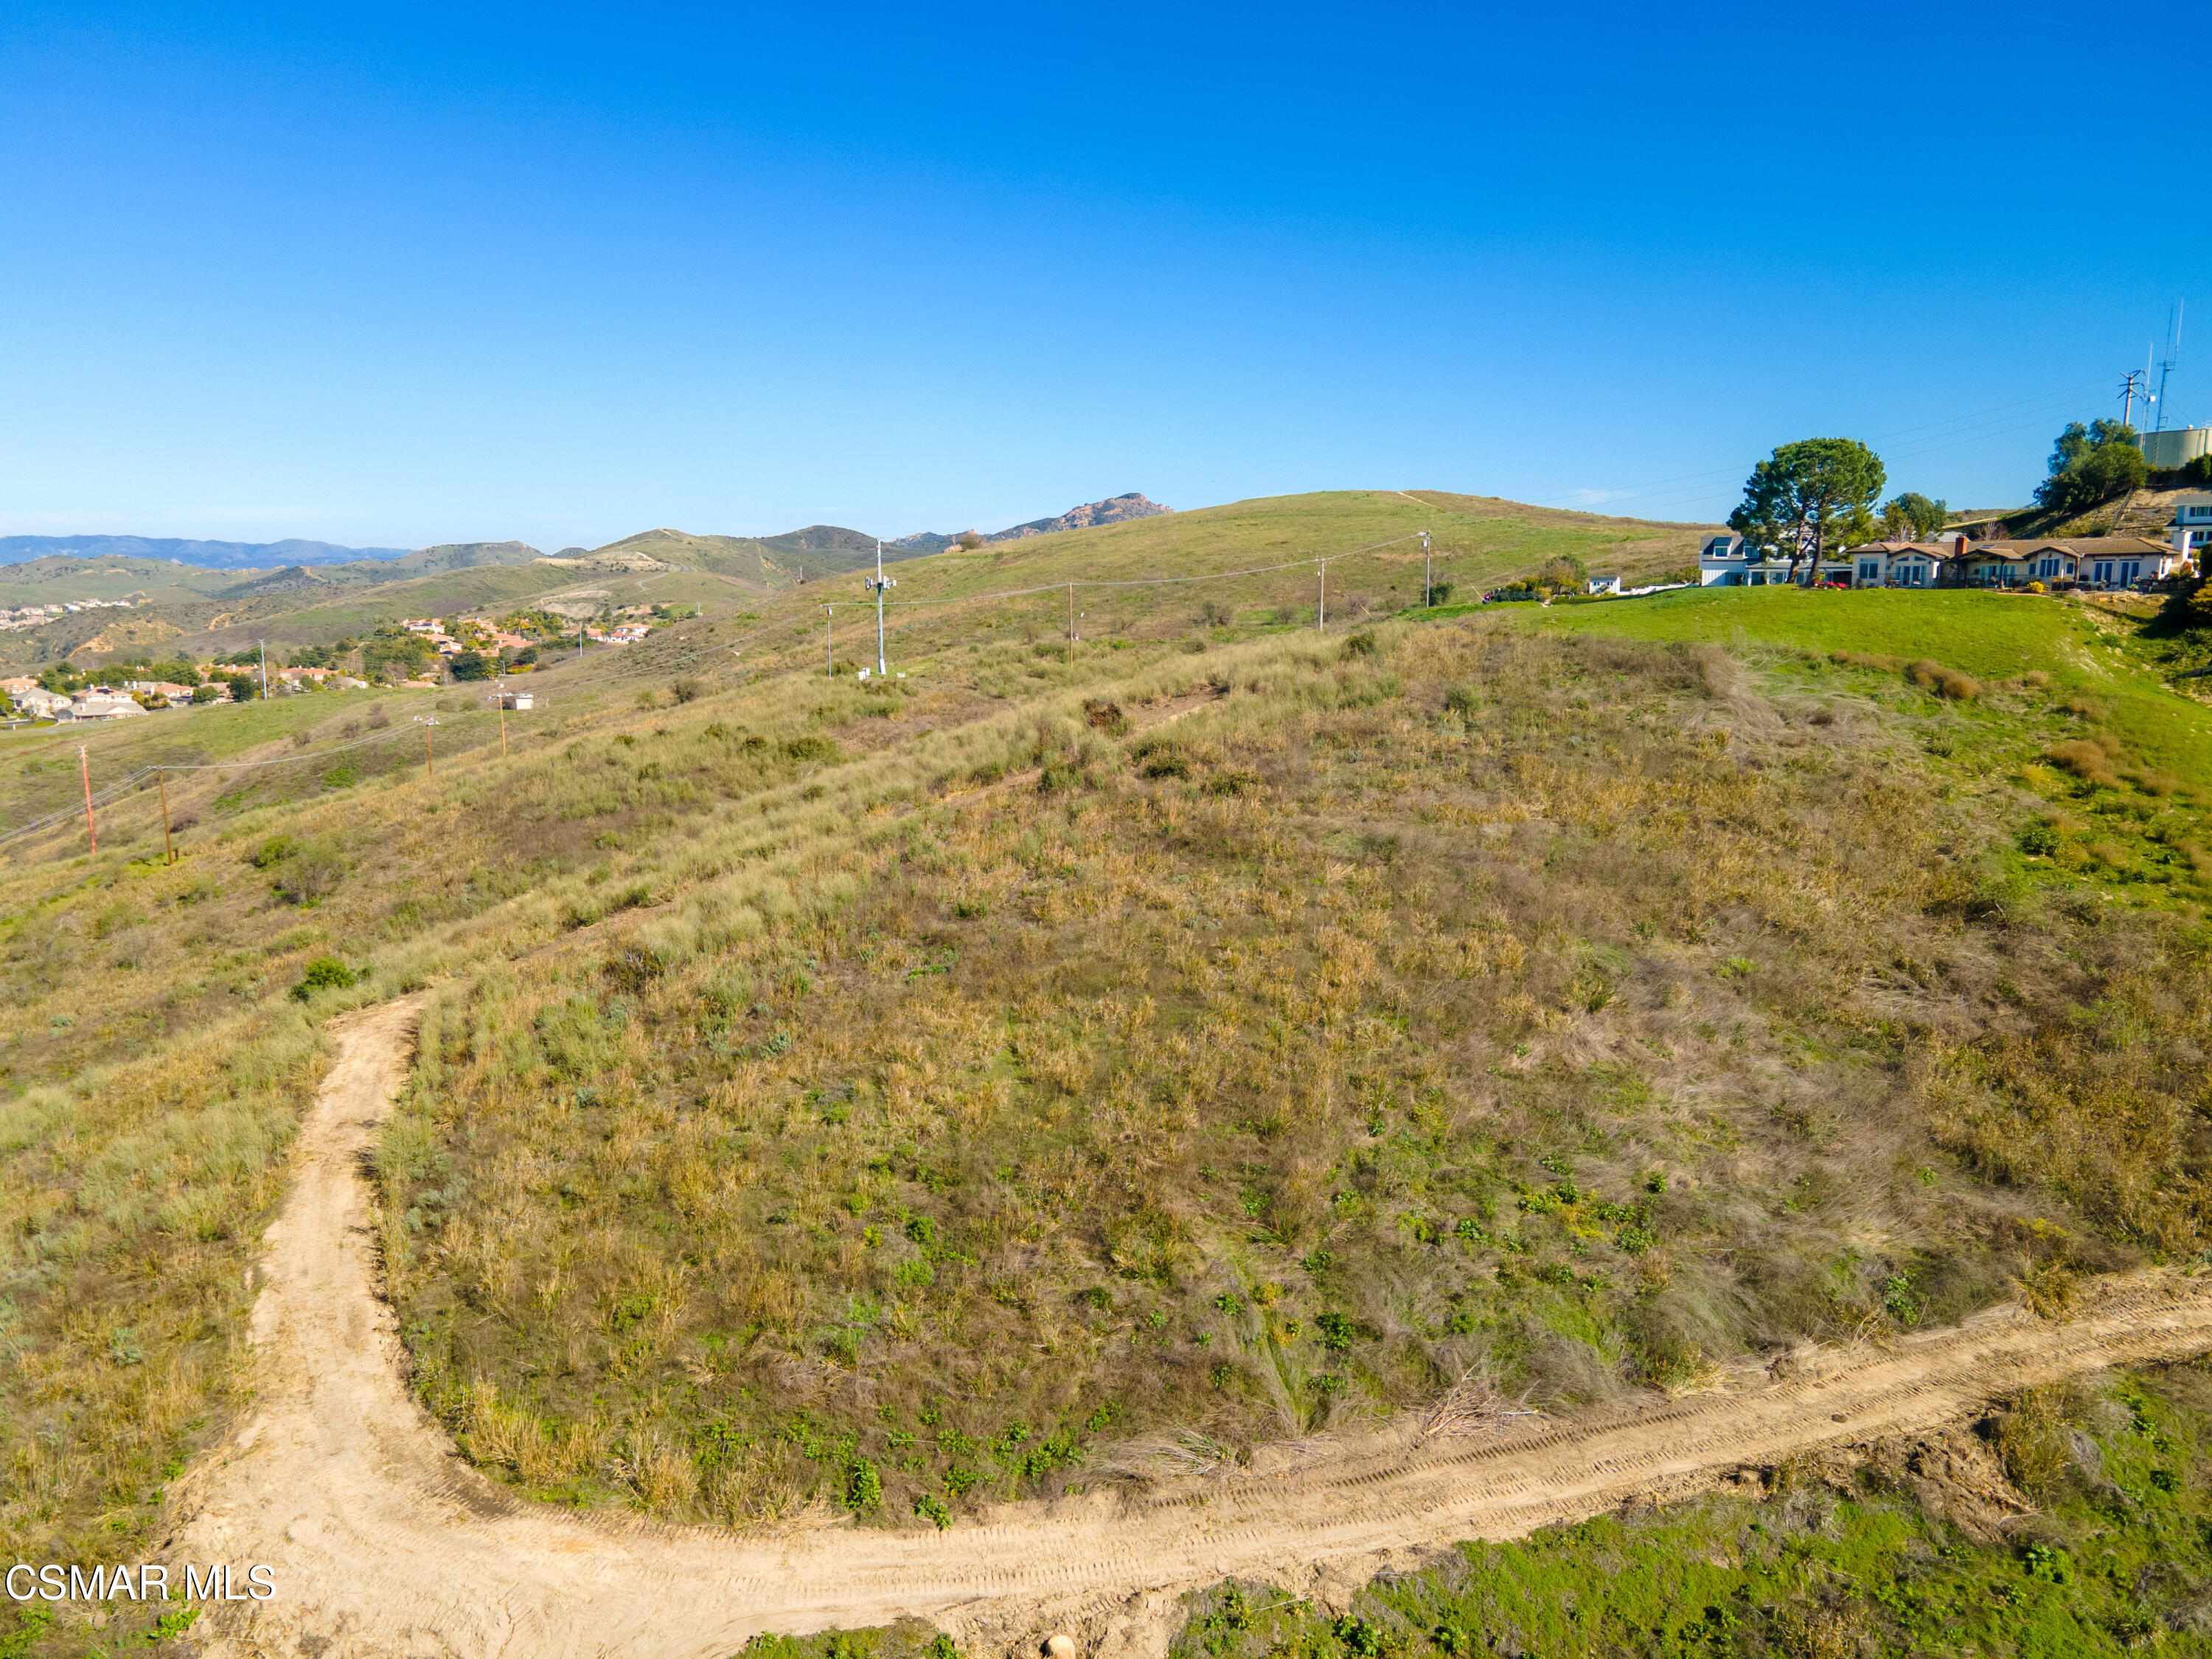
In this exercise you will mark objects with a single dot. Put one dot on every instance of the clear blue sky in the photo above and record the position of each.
(406, 276)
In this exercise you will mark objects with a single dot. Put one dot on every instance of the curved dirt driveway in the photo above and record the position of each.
(385, 1544)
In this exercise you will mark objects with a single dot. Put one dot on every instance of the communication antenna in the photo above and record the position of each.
(2166, 364)
(880, 583)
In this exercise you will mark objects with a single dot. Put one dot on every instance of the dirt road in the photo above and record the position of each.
(385, 1544)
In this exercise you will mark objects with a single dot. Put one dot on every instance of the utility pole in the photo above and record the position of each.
(1428, 583)
(430, 765)
(263, 644)
(580, 638)
(828, 649)
(1071, 624)
(880, 583)
(169, 845)
(91, 828)
(1321, 606)
(2129, 387)
(499, 694)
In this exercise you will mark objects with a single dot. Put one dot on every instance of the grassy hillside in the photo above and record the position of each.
(1262, 1027)
(57, 580)
(1477, 540)
(2103, 666)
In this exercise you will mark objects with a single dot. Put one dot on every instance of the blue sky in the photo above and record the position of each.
(405, 276)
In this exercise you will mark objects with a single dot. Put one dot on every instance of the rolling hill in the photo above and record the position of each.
(1270, 1027)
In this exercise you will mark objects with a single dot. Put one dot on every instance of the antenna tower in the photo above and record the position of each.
(2166, 364)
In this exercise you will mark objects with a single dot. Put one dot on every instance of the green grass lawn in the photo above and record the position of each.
(2097, 659)
(1992, 636)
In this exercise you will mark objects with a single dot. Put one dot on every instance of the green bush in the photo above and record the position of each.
(273, 852)
(323, 974)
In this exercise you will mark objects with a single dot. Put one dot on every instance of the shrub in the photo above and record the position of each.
(1440, 592)
(1943, 681)
(687, 690)
(2094, 760)
(273, 852)
(471, 665)
(1462, 700)
(809, 748)
(1160, 758)
(324, 974)
(306, 871)
(1105, 716)
(1361, 644)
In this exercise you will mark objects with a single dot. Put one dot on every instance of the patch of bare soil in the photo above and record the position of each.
(383, 1543)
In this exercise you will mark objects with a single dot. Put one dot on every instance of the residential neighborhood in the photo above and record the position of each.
(37, 616)
(2104, 563)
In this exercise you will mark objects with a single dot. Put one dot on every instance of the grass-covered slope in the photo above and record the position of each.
(895, 1098)
(1573, 1012)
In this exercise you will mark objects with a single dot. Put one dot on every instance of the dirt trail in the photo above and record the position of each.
(385, 1544)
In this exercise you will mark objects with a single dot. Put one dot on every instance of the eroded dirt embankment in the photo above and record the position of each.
(385, 1543)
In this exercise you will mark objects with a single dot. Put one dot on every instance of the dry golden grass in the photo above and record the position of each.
(1472, 1002)
(904, 1096)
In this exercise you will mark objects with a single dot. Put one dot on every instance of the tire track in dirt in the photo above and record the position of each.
(383, 1543)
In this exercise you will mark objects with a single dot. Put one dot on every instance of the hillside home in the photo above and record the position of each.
(1899, 564)
(103, 705)
(2192, 521)
(1605, 585)
(1727, 561)
(41, 703)
(2124, 561)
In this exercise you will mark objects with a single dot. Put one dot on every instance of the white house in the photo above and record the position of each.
(98, 706)
(41, 703)
(2192, 522)
(1899, 564)
(1605, 585)
(1727, 561)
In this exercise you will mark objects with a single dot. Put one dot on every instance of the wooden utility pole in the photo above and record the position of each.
(1320, 605)
(84, 766)
(1071, 624)
(430, 766)
(168, 843)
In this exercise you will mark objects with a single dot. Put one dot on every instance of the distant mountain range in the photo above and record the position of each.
(835, 546)
(1111, 510)
(209, 555)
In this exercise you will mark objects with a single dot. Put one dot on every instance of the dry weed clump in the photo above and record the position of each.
(1544, 1010)
(2096, 760)
(1944, 682)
